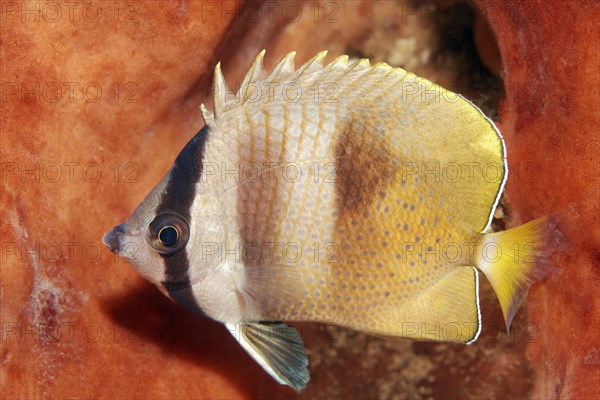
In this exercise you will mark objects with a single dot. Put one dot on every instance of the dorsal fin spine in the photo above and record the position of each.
(284, 68)
(206, 115)
(255, 74)
(339, 63)
(221, 91)
(313, 64)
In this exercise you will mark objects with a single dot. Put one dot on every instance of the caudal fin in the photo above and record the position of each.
(514, 259)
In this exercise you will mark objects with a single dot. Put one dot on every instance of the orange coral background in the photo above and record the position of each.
(94, 106)
(551, 122)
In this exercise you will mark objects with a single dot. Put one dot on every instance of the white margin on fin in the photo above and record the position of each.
(231, 327)
(505, 162)
(479, 323)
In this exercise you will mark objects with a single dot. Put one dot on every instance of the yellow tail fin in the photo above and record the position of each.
(514, 259)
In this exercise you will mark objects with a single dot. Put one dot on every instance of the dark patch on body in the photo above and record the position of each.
(364, 169)
(178, 196)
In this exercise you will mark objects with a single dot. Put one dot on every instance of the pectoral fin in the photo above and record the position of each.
(277, 347)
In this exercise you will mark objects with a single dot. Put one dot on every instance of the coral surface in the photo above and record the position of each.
(97, 98)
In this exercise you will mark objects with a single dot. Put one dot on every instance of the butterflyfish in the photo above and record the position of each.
(348, 193)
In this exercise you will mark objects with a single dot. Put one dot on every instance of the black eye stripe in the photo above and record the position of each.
(179, 196)
(185, 173)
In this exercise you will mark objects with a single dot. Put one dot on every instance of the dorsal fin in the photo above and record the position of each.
(225, 100)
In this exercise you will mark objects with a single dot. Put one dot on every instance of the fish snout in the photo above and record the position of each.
(112, 239)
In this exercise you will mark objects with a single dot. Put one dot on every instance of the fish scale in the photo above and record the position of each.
(344, 193)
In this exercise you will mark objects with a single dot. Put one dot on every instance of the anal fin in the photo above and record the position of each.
(446, 311)
(276, 347)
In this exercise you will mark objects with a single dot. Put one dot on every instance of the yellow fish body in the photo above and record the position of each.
(349, 194)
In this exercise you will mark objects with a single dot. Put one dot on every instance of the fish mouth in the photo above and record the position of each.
(112, 239)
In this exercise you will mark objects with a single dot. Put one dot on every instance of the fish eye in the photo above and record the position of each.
(168, 233)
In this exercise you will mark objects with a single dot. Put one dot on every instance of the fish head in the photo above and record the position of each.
(159, 237)
(150, 237)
